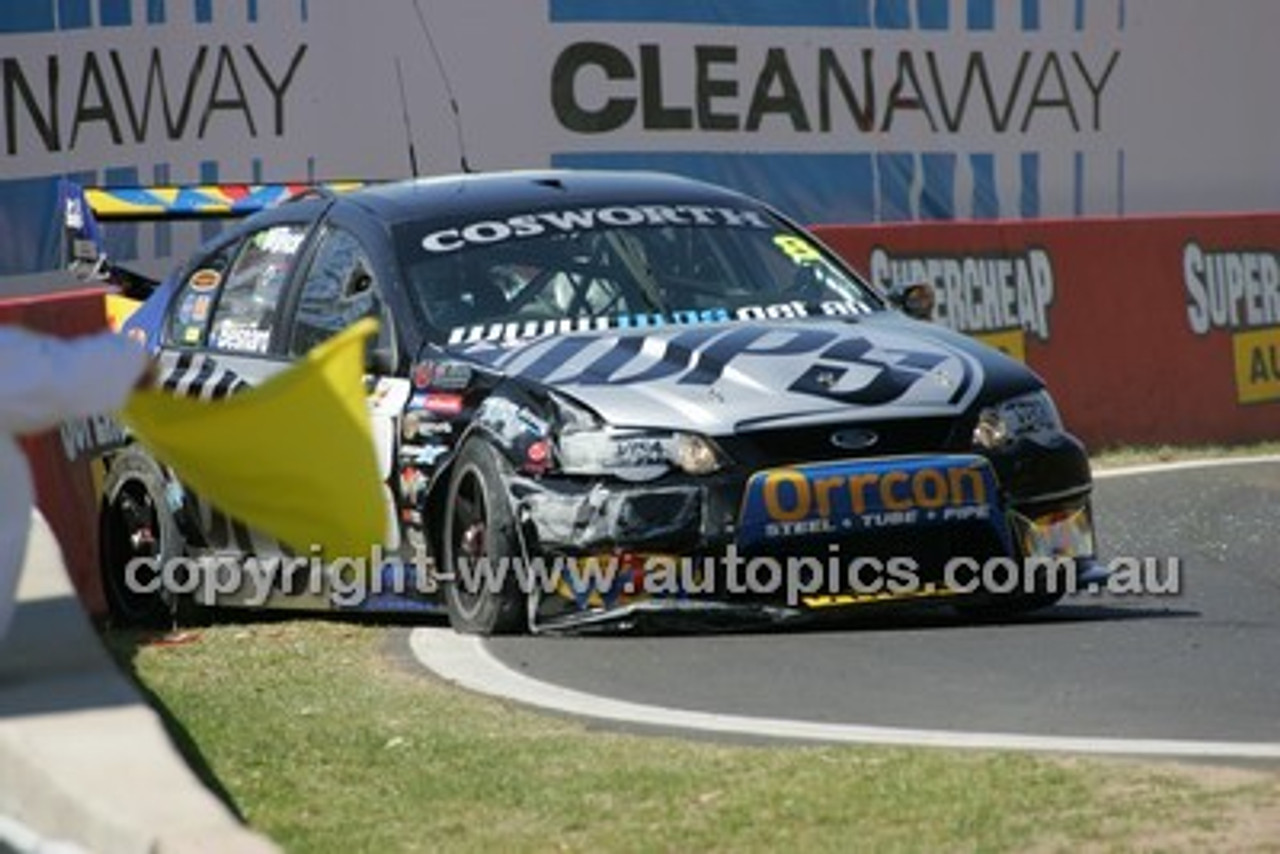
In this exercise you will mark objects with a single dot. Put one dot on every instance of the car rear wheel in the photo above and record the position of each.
(139, 538)
(482, 590)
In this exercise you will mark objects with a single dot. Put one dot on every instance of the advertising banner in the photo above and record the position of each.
(846, 111)
(1147, 330)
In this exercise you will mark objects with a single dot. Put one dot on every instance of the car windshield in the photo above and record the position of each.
(527, 274)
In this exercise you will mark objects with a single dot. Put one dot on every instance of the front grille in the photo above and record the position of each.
(929, 547)
(928, 550)
(792, 445)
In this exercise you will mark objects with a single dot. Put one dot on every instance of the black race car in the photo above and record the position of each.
(599, 396)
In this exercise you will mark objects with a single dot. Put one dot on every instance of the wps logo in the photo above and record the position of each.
(871, 370)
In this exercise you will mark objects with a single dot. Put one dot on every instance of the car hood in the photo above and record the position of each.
(728, 377)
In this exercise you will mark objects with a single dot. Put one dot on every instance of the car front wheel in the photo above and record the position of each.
(481, 547)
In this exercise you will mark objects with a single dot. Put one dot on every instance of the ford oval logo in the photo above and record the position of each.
(854, 439)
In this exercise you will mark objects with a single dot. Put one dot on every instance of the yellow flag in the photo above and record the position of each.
(293, 457)
(118, 310)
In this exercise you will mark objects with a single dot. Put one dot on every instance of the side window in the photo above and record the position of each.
(193, 303)
(338, 291)
(246, 310)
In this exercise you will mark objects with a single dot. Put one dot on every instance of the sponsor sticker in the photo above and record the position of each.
(846, 498)
(441, 404)
(194, 308)
(281, 240)
(538, 223)
(242, 338)
(204, 280)
(515, 331)
(200, 311)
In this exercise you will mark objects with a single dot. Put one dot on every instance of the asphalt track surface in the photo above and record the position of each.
(1191, 673)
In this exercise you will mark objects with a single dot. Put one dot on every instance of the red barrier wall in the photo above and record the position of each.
(1147, 330)
(64, 487)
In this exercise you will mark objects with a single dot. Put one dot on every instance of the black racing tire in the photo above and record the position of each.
(135, 522)
(479, 524)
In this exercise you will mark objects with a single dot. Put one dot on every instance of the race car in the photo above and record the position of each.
(605, 397)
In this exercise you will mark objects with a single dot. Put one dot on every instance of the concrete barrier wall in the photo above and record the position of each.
(85, 764)
(65, 489)
(1148, 330)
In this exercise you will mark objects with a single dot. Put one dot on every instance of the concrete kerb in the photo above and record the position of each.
(83, 759)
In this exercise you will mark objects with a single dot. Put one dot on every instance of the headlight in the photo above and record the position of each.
(635, 454)
(1027, 415)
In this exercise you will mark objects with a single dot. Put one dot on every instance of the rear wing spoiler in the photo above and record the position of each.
(85, 209)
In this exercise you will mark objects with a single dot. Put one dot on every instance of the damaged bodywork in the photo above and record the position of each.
(601, 397)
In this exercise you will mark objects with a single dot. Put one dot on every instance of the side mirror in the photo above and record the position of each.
(915, 300)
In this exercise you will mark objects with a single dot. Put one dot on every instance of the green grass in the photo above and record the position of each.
(325, 742)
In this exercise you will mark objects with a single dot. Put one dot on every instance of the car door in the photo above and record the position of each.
(342, 284)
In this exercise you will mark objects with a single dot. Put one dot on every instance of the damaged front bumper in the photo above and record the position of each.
(627, 553)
